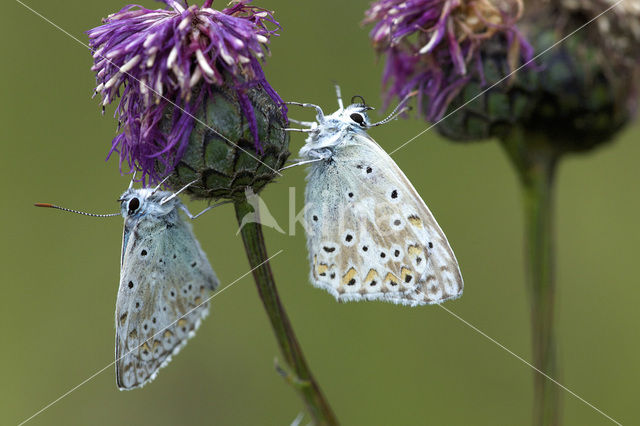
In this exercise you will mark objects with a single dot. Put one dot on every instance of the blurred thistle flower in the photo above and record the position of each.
(581, 91)
(171, 65)
(586, 87)
(435, 46)
(583, 88)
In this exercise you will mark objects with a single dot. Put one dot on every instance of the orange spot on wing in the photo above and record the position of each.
(322, 269)
(372, 275)
(415, 221)
(415, 250)
(391, 279)
(346, 278)
(404, 272)
(407, 276)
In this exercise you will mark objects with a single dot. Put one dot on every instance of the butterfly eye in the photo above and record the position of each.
(358, 118)
(134, 203)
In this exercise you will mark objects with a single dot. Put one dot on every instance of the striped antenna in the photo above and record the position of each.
(400, 109)
(52, 206)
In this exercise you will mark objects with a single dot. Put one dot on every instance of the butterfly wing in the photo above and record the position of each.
(165, 278)
(369, 234)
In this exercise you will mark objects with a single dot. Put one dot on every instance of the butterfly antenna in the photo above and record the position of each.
(53, 206)
(319, 113)
(339, 95)
(400, 109)
(355, 98)
(175, 194)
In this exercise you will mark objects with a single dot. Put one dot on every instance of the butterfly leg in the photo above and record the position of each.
(133, 179)
(319, 113)
(293, 129)
(160, 184)
(300, 163)
(339, 95)
(304, 123)
(175, 194)
(193, 217)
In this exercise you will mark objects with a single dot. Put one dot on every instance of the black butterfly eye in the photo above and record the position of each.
(358, 118)
(134, 203)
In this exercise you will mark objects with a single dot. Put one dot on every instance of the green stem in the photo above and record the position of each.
(536, 161)
(300, 376)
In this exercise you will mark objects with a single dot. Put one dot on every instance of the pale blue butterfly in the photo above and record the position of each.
(370, 235)
(165, 284)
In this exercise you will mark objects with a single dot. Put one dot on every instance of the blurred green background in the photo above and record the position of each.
(377, 363)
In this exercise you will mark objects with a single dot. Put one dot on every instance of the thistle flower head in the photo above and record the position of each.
(431, 45)
(586, 88)
(159, 62)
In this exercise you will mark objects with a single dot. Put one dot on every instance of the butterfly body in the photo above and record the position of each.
(165, 281)
(370, 235)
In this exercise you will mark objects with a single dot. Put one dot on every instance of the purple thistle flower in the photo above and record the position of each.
(434, 45)
(163, 60)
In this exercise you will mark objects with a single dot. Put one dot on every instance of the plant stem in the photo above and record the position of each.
(300, 376)
(536, 163)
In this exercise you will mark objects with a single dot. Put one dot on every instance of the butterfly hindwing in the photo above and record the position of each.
(164, 278)
(370, 235)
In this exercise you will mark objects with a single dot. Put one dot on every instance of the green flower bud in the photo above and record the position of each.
(578, 94)
(221, 156)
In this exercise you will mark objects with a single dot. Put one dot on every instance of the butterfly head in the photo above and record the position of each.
(355, 115)
(330, 131)
(145, 201)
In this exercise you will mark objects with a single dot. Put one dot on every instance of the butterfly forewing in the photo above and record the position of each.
(370, 235)
(165, 281)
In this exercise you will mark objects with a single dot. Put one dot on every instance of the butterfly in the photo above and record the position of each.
(165, 284)
(370, 236)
